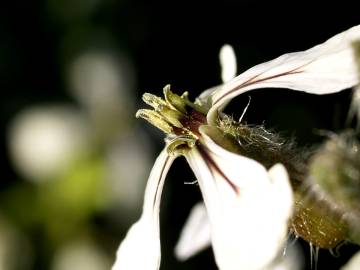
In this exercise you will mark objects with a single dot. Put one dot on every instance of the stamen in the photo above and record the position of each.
(178, 103)
(314, 256)
(191, 182)
(153, 101)
(155, 119)
(243, 113)
(179, 118)
(171, 116)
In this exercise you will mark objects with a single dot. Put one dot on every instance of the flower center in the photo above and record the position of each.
(177, 117)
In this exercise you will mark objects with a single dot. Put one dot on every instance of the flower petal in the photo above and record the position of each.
(228, 71)
(323, 69)
(353, 263)
(248, 207)
(228, 63)
(291, 260)
(141, 247)
(195, 235)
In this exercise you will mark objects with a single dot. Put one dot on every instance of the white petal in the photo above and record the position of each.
(195, 235)
(291, 260)
(281, 188)
(141, 247)
(228, 63)
(228, 72)
(354, 110)
(204, 99)
(248, 228)
(323, 69)
(353, 264)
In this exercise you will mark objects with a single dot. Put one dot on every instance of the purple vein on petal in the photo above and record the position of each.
(251, 80)
(160, 177)
(211, 163)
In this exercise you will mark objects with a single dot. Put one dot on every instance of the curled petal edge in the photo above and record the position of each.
(326, 68)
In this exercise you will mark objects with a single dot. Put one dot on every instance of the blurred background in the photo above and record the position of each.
(74, 160)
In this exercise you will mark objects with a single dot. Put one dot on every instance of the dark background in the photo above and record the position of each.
(173, 42)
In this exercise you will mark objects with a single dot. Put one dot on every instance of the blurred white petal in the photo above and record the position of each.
(12, 243)
(323, 69)
(291, 260)
(45, 140)
(141, 247)
(195, 235)
(129, 160)
(228, 71)
(80, 254)
(248, 207)
(102, 80)
(228, 63)
(353, 263)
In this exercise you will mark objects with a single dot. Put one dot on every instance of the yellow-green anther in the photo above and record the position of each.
(156, 119)
(174, 100)
(171, 116)
(154, 101)
(198, 107)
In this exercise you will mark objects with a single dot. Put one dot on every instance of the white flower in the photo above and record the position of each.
(245, 204)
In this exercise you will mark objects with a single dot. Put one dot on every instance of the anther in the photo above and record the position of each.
(155, 119)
